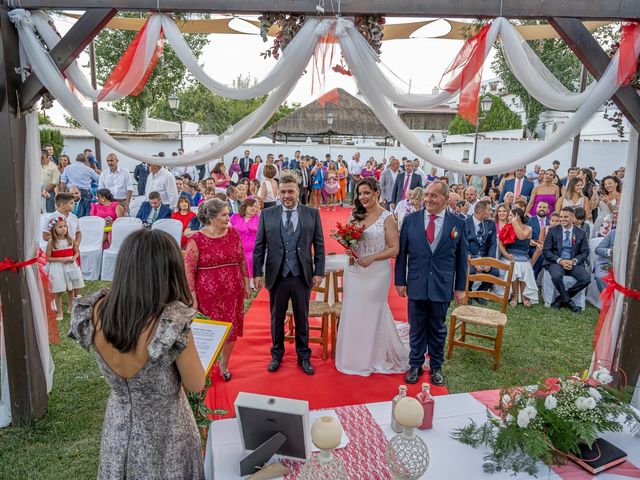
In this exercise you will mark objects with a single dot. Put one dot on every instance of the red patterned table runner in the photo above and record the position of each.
(363, 457)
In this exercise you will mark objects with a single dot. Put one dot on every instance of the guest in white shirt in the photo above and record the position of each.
(355, 171)
(260, 172)
(118, 181)
(471, 196)
(388, 179)
(417, 169)
(160, 180)
(192, 171)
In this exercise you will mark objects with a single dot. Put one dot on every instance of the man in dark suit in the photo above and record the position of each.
(140, 173)
(433, 245)
(520, 186)
(304, 183)
(245, 164)
(566, 249)
(153, 210)
(407, 180)
(81, 206)
(483, 241)
(290, 237)
(537, 222)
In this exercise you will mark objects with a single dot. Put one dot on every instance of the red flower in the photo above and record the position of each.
(552, 384)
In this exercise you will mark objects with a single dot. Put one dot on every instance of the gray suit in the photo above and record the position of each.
(456, 178)
(386, 184)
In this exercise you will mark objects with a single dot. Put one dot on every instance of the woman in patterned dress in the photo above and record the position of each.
(217, 273)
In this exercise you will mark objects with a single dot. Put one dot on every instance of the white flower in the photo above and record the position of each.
(581, 403)
(595, 394)
(590, 403)
(523, 419)
(550, 402)
(603, 376)
(506, 399)
(530, 411)
(509, 418)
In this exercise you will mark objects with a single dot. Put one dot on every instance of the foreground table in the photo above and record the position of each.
(449, 459)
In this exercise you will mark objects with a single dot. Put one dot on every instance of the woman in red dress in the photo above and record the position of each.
(217, 273)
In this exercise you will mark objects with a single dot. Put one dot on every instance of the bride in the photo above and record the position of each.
(368, 339)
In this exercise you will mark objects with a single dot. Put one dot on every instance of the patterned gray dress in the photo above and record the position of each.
(149, 431)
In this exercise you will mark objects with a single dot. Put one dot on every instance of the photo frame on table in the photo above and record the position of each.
(209, 337)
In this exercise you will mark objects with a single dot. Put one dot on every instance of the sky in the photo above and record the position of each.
(420, 61)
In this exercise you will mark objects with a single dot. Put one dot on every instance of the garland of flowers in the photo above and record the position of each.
(548, 422)
(369, 26)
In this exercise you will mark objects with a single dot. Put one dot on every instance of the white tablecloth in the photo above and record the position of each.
(449, 459)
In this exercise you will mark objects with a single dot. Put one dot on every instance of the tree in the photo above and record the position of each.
(52, 137)
(167, 76)
(560, 61)
(499, 117)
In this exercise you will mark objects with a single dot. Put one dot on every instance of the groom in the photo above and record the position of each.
(286, 235)
(433, 244)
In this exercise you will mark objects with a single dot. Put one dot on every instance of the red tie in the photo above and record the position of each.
(431, 228)
(542, 224)
(406, 184)
(518, 187)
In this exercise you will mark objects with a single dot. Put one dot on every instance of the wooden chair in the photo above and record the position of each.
(336, 308)
(317, 309)
(484, 317)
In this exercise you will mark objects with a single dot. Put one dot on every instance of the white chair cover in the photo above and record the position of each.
(134, 206)
(549, 292)
(171, 226)
(593, 294)
(122, 228)
(43, 243)
(91, 246)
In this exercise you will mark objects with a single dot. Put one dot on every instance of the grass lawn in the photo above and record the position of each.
(538, 342)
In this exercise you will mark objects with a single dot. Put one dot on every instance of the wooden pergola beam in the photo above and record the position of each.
(586, 9)
(67, 50)
(627, 352)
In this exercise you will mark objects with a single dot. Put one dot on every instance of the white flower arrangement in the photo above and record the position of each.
(550, 402)
(603, 376)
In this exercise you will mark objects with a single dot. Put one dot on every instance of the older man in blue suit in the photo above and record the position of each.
(483, 241)
(431, 269)
(520, 186)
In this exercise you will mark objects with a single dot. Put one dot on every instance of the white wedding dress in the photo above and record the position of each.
(369, 340)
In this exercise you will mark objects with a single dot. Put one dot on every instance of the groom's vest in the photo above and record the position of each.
(290, 242)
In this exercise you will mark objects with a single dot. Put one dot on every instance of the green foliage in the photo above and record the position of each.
(560, 61)
(168, 75)
(499, 117)
(53, 137)
(43, 119)
(72, 122)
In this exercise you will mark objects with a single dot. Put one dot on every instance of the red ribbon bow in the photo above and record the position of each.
(606, 297)
(9, 264)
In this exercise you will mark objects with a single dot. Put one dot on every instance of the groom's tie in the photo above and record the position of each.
(431, 229)
(288, 225)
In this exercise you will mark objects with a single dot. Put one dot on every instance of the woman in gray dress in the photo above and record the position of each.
(140, 332)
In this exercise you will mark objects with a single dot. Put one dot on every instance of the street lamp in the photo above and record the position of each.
(174, 105)
(485, 105)
(330, 118)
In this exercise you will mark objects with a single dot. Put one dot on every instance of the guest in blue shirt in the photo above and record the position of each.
(81, 175)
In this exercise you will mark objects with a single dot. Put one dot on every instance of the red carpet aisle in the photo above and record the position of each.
(327, 388)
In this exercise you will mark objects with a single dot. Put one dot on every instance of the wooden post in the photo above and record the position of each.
(27, 384)
(595, 59)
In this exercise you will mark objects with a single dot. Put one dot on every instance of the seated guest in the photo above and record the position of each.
(604, 256)
(413, 203)
(153, 210)
(146, 353)
(254, 186)
(501, 217)
(508, 199)
(184, 215)
(220, 176)
(182, 190)
(241, 189)
(209, 193)
(580, 220)
(232, 199)
(518, 185)
(197, 197)
(81, 206)
(515, 239)
(538, 224)
(453, 200)
(483, 241)
(566, 249)
(106, 207)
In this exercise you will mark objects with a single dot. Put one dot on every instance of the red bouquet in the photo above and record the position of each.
(348, 235)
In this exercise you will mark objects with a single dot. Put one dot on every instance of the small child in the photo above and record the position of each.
(581, 220)
(64, 272)
(554, 219)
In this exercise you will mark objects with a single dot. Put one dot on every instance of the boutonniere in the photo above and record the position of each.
(454, 233)
(573, 240)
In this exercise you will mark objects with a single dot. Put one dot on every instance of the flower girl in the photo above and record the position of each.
(64, 272)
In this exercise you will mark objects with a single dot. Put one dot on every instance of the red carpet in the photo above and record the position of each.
(328, 388)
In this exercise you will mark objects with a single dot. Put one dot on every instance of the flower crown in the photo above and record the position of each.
(55, 220)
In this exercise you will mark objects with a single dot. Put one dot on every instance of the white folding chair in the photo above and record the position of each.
(135, 204)
(549, 292)
(122, 228)
(171, 226)
(92, 229)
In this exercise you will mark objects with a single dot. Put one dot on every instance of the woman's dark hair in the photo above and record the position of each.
(496, 191)
(182, 199)
(244, 181)
(359, 212)
(270, 171)
(105, 193)
(580, 214)
(587, 189)
(149, 276)
(588, 175)
(242, 209)
(571, 186)
(615, 179)
(217, 167)
(519, 212)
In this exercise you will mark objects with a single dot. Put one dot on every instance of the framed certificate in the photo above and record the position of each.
(209, 337)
